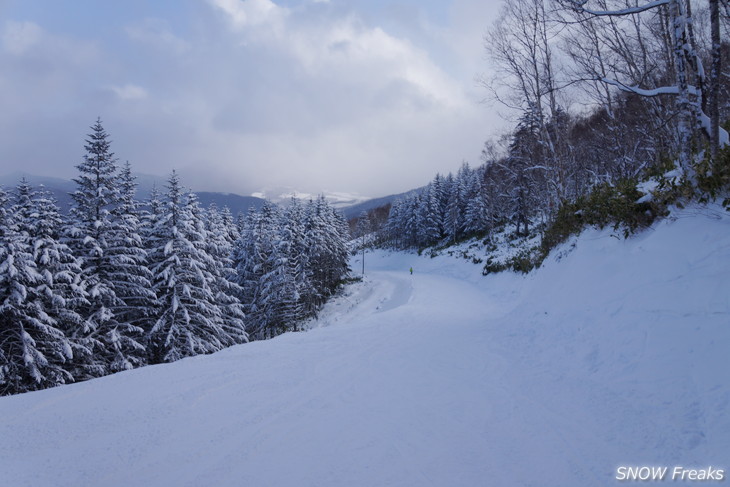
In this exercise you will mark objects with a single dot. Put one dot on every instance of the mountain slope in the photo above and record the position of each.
(353, 211)
(615, 355)
(61, 189)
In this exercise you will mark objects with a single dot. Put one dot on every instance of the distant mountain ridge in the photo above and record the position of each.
(61, 189)
(353, 211)
(283, 194)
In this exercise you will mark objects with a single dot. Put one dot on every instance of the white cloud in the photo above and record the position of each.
(251, 13)
(343, 50)
(129, 92)
(157, 32)
(20, 37)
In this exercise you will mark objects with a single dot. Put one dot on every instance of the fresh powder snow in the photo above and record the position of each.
(614, 353)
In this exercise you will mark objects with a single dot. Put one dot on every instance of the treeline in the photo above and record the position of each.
(448, 208)
(655, 113)
(116, 284)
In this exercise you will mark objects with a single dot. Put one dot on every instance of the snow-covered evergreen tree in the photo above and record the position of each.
(328, 255)
(149, 219)
(230, 227)
(246, 264)
(288, 262)
(34, 352)
(278, 300)
(523, 165)
(255, 256)
(62, 291)
(411, 224)
(93, 232)
(189, 321)
(431, 219)
(219, 245)
(298, 260)
(129, 276)
(476, 214)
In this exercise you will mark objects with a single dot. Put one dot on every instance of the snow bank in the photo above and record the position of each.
(631, 338)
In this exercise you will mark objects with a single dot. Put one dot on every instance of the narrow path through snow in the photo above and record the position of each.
(400, 292)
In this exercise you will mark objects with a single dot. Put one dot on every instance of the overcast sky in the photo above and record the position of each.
(365, 96)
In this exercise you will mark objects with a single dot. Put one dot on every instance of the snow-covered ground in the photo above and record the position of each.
(615, 353)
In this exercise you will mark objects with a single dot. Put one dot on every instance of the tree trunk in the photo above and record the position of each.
(714, 81)
(679, 20)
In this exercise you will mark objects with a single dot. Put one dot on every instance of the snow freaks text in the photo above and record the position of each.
(646, 473)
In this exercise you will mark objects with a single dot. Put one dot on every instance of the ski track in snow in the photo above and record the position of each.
(616, 355)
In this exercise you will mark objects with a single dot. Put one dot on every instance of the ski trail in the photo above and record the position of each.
(379, 292)
(399, 290)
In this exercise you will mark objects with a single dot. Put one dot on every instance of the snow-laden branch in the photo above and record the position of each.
(661, 90)
(615, 13)
(706, 124)
(672, 90)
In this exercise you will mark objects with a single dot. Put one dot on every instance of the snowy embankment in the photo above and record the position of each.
(618, 354)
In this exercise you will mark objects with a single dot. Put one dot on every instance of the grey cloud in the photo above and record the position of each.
(309, 96)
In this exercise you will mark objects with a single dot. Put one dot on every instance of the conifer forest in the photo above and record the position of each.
(119, 283)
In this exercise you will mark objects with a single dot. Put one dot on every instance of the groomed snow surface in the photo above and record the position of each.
(615, 353)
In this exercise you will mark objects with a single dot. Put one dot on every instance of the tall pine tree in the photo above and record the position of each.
(93, 236)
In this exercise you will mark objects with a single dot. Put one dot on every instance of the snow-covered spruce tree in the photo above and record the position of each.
(150, 216)
(246, 264)
(129, 274)
(94, 229)
(62, 291)
(23, 207)
(453, 220)
(230, 226)
(298, 261)
(287, 263)
(496, 187)
(411, 224)
(220, 237)
(431, 219)
(33, 351)
(278, 300)
(189, 321)
(341, 252)
(390, 229)
(395, 224)
(451, 207)
(404, 223)
(522, 167)
(328, 254)
(254, 255)
(219, 245)
(476, 214)
(4, 212)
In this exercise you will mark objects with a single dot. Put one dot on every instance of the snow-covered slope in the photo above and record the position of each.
(615, 355)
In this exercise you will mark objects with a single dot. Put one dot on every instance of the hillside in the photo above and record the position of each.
(614, 353)
(353, 211)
